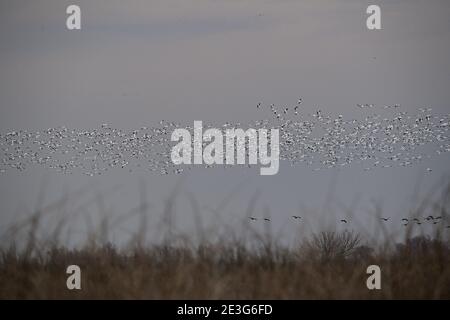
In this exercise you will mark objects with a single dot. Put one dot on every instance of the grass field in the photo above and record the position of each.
(325, 265)
(328, 266)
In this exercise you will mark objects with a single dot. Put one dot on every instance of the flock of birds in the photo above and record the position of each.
(317, 140)
(430, 218)
(400, 139)
(405, 221)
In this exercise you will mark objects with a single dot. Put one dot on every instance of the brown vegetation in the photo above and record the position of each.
(325, 265)
(328, 266)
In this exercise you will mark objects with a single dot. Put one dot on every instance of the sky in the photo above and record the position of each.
(134, 63)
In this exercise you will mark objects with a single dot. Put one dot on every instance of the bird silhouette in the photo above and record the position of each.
(296, 217)
(404, 219)
(266, 219)
(343, 220)
(385, 219)
(252, 218)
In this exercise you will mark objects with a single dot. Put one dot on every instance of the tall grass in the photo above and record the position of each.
(326, 265)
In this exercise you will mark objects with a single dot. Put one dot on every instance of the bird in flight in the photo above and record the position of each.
(258, 105)
(252, 218)
(385, 219)
(343, 220)
(296, 217)
(266, 219)
(404, 219)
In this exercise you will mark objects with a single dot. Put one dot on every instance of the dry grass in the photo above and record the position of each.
(418, 269)
(326, 265)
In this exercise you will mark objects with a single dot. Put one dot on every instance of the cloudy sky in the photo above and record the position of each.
(134, 63)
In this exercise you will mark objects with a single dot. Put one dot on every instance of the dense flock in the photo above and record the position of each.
(384, 137)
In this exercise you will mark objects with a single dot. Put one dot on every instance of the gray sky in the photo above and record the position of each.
(135, 63)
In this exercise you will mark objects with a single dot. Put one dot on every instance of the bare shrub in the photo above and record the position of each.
(330, 245)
